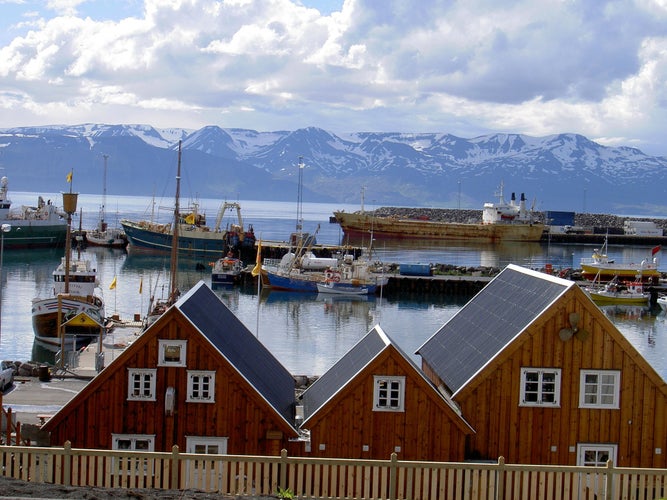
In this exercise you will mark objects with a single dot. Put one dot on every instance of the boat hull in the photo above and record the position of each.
(627, 272)
(190, 243)
(26, 234)
(45, 317)
(605, 298)
(291, 283)
(346, 289)
(108, 239)
(357, 225)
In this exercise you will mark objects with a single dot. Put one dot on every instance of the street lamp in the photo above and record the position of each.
(5, 228)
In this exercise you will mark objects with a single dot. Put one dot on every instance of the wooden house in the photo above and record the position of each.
(543, 377)
(196, 378)
(375, 401)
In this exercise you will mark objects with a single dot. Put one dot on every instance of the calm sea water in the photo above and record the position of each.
(307, 333)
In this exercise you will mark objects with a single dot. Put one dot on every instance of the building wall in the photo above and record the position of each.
(238, 412)
(424, 431)
(550, 435)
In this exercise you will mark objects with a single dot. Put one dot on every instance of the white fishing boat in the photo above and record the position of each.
(619, 292)
(73, 313)
(226, 270)
(103, 235)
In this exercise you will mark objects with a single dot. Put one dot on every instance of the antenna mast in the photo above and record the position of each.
(299, 199)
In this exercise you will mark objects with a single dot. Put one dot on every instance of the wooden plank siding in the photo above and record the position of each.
(525, 434)
(102, 408)
(427, 429)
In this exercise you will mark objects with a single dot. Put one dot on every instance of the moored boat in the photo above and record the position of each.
(103, 235)
(619, 292)
(40, 226)
(599, 265)
(195, 238)
(501, 222)
(226, 270)
(662, 302)
(73, 314)
(344, 288)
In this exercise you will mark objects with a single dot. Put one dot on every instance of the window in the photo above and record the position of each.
(595, 455)
(540, 387)
(389, 393)
(206, 445)
(172, 352)
(599, 388)
(135, 442)
(201, 387)
(141, 384)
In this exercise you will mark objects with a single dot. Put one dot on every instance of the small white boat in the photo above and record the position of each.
(662, 302)
(343, 288)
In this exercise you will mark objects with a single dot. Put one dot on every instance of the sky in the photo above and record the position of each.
(467, 68)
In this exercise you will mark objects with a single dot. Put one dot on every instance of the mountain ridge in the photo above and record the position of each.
(559, 171)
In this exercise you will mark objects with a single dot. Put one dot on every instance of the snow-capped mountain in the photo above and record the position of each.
(560, 172)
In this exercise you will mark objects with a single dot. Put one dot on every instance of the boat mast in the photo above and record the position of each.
(299, 201)
(103, 225)
(173, 267)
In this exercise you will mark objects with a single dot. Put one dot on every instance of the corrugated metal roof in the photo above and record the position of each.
(345, 369)
(489, 322)
(240, 347)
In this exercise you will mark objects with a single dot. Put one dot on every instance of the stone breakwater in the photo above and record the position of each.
(475, 216)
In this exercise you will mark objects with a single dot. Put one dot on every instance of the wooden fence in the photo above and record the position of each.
(327, 478)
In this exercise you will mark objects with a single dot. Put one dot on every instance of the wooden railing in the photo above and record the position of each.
(327, 478)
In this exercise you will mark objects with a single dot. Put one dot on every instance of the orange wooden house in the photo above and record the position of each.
(375, 401)
(544, 377)
(197, 378)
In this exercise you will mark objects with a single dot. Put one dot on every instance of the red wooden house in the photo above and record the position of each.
(374, 402)
(544, 377)
(197, 378)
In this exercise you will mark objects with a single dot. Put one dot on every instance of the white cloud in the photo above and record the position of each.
(467, 68)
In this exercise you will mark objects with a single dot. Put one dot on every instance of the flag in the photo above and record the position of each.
(141, 285)
(655, 250)
(190, 219)
(258, 261)
(69, 176)
(112, 286)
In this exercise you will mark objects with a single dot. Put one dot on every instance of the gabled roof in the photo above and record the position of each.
(354, 362)
(240, 347)
(489, 322)
(344, 370)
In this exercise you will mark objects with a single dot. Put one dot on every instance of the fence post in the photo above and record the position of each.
(67, 463)
(501, 471)
(608, 479)
(393, 475)
(283, 470)
(175, 462)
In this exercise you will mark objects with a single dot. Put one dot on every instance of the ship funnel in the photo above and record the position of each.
(513, 197)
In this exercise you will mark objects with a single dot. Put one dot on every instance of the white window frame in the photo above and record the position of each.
(393, 383)
(591, 393)
(163, 344)
(583, 449)
(141, 372)
(134, 439)
(541, 386)
(192, 376)
(192, 442)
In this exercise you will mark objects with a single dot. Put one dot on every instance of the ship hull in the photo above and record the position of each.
(190, 243)
(34, 234)
(607, 272)
(357, 225)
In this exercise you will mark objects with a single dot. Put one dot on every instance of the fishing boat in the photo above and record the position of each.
(600, 265)
(226, 270)
(501, 222)
(103, 235)
(619, 292)
(195, 238)
(74, 313)
(342, 288)
(40, 226)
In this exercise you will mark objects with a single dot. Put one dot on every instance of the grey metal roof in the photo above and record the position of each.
(489, 322)
(240, 347)
(344, 370)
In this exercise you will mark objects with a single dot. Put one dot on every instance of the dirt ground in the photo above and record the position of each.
(13, 488)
